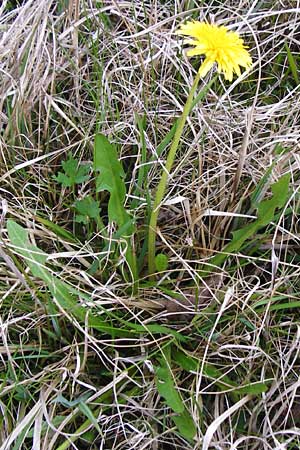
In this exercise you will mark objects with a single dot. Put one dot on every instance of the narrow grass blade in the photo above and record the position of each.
(292, 64)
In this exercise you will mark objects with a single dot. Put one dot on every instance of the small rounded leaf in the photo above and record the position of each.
(161, 262)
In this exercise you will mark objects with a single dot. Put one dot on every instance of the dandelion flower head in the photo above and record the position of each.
(219, 45)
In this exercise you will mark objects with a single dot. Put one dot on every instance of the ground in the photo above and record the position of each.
(96, 351)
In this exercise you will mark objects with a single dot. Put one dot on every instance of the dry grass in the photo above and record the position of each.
(68, 70)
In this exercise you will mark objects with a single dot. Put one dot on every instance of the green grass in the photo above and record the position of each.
(94, 353)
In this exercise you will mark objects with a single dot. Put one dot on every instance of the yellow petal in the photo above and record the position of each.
(206, 66)
(194, 52)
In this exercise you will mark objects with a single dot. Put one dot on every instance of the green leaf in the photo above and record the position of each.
(261, 188)
(58, 230)
(265, 215)
(252, 389)
(185, 425)
(292, 64)
(84, 408)
(266, 209)
(67, 296)
(166, 388)
(189, 363)
(111, 179)
(86, 209)
(89, 436)
(71, 403)
(286, 305)
(61, 291)
(161, 262)
(247, 323)
(74, 173)
(223, 382)
(35, 258)
(154, 329)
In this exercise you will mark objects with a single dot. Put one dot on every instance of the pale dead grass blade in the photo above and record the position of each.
(218, 421)
(69, 70)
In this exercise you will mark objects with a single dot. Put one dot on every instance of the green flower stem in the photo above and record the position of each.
(161, 188)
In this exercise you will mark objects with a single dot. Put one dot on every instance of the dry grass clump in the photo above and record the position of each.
(83, 355)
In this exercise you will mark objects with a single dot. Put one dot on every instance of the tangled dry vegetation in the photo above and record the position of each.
(187, 360)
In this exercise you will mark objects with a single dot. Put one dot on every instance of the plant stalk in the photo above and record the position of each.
(161, 188)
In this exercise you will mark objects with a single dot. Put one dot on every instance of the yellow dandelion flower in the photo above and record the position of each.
(219, 45)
